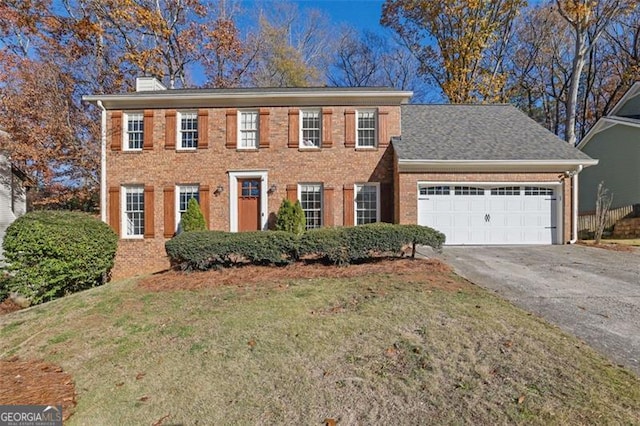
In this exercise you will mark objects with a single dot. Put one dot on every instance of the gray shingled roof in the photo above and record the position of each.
(477, 132)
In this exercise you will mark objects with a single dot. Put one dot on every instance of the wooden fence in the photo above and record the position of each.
(587, 221)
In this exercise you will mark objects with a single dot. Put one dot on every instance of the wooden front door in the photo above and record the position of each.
(249, 204)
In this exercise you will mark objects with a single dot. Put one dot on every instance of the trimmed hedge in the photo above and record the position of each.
(355, 244)
(53, 253)
(201, 250)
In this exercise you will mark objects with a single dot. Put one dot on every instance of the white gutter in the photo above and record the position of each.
(103, 164)
(589, 162)
(574, 206)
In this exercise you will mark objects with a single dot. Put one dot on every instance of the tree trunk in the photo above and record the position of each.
(574, 84)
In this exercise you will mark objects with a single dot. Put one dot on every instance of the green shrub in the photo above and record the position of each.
(201, 250)
(354, 244)
(193, 219)
(53, 253)
(291, 217)
(5, 284)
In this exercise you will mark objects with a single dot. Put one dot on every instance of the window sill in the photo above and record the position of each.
(186, 150)
(132, 151)
(310, 148)
(132, 238)
(247, 149)
(366, 148)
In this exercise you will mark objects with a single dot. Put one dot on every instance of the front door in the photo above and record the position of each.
(249, 204)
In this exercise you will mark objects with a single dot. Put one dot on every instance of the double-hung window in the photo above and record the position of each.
(248, 130)
(185, 193)
(310, 196)
(367, 203)
(134, 131)
(310, 130)
(188, 131)
(133, 212)
(366, 129)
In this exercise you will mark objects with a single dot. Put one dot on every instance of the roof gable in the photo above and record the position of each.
(626, 112)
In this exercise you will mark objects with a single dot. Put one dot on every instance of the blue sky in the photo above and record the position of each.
(361, 14)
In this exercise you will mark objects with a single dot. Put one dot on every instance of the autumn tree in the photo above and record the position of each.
(588, 19)
(292, 48)
(460, 44)
(53, 52)
(537, 64)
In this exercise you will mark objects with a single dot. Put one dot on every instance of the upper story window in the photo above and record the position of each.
(366, 129)
(188, 130)
(310, 196)
(133, 211)
(185, 193)
(367, 203)
(134, 131)
(310, 130)
(248, 130)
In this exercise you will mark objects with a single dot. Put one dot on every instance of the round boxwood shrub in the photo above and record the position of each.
(53, 253)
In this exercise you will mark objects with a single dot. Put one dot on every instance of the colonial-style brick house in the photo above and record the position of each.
(350, 155)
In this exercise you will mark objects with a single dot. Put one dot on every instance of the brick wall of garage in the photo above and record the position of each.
(159, 168)
(407, 190)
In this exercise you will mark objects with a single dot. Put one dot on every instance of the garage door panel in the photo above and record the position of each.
(505, 215)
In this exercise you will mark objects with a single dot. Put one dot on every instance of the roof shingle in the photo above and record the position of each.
(477, 132)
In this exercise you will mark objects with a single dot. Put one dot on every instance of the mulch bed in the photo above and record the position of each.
(7, 306)
(36, 383)
(429, 271)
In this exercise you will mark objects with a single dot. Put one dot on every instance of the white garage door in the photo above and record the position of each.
(490, 214)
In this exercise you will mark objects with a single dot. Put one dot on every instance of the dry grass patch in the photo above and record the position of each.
(375, 347)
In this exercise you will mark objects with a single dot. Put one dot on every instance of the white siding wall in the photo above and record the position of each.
(618, 149)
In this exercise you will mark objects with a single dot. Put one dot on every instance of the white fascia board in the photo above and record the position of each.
(633, 91)
(603, 124)
(493, 165)
(176, 99)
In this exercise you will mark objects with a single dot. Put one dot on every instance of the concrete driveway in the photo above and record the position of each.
(591, 293)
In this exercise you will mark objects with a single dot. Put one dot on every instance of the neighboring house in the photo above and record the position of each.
(13, 193)
(615, 141)
(481, 174)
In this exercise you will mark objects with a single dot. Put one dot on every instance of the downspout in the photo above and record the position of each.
(574, 205)
(103, 164)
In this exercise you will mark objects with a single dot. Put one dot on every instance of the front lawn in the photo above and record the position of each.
(408, 342)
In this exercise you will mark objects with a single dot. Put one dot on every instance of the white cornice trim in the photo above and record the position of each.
(177, 99)
(493, 165)
(603, 124)
(633, 91)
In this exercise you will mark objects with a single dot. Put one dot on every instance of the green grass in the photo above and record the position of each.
(378, 349)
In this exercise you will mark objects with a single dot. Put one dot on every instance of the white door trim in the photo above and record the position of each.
(233, 196)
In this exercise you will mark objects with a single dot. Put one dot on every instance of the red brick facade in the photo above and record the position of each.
(160, 166)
